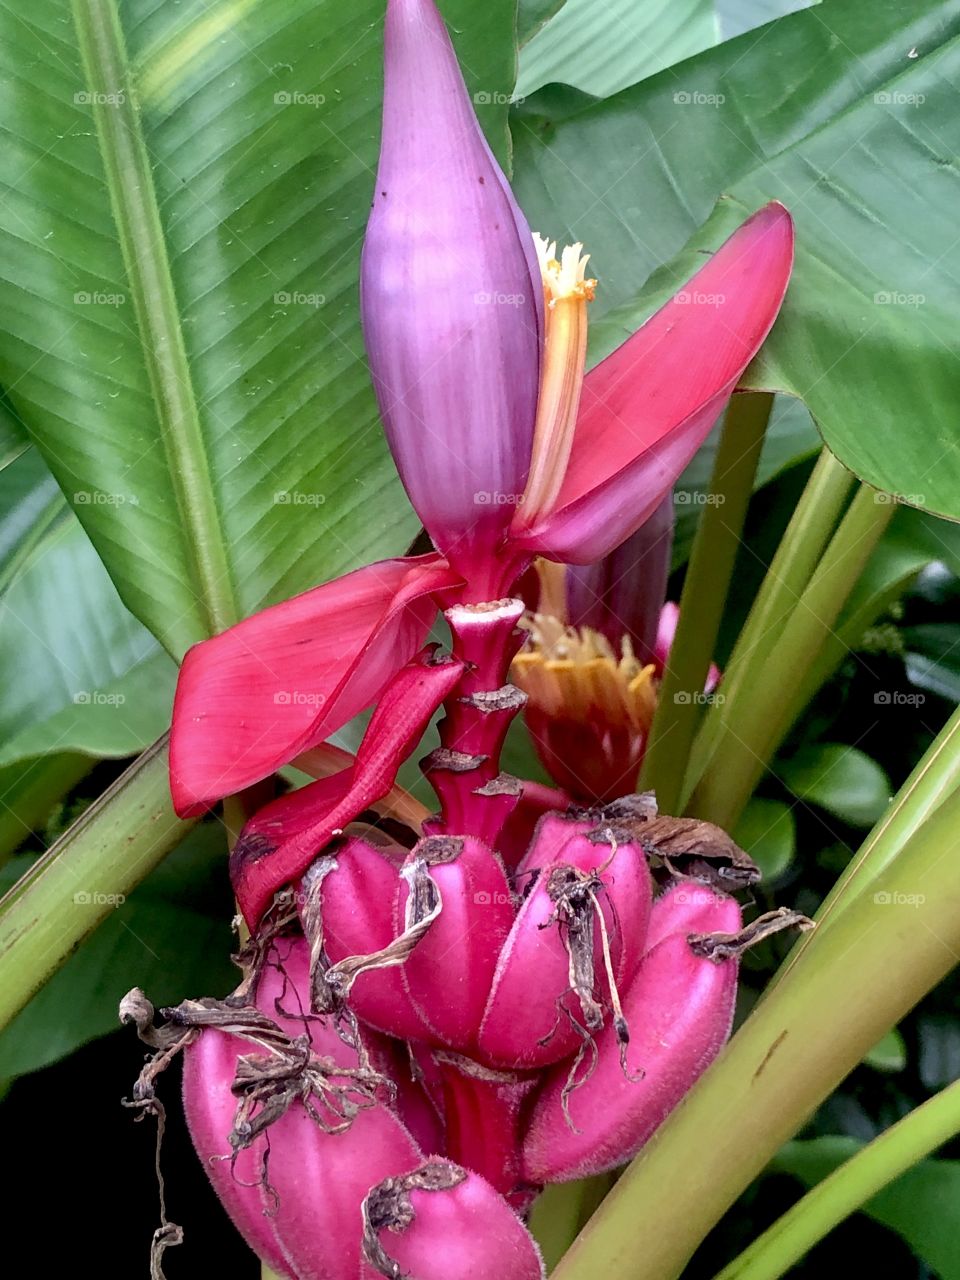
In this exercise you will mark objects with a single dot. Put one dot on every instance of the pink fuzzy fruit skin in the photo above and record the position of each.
(529, 1021)
(689, 906)
(449, 972)
(317, 1180)
(208, 1069)
(679, 1010)
(320, 1181)
(467, 1232)
(361, 914)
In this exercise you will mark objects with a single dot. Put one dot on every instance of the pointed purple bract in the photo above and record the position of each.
(622, 594)
(451, 297)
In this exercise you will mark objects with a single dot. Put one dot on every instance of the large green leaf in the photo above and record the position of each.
(737, 16)
(599, 47)
(13, 436)
(848, 113)
(532, 14)
(920, 1205)
(79, 672)
(186, 186)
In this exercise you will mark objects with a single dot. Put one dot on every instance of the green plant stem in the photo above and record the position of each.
(935, 777)
(849, 1188)
(267, 1274)
(877, 960)
(75, 884)
(801, 547)
(778, 688)
(679, 706)
(555, 1220)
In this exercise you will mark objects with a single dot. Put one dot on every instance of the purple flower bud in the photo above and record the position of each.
(451, 296)
(622, 594)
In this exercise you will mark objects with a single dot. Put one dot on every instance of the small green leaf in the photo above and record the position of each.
(888, 1054)
(767, 832)
(840, 779)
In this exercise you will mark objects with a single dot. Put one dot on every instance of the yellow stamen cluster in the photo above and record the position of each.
(566, 292)
(573, 673)
(564, 277)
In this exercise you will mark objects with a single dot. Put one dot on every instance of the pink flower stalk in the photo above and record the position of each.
(454, 988)
(599, 640)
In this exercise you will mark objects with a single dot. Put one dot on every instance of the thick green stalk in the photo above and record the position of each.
(680, 699)
(801, 547)
(76, 883)
(935, 777)
(849, 1188)
(555, 1220)
(778, 689)
(883, 953)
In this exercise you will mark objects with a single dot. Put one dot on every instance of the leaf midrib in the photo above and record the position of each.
(136, 212)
